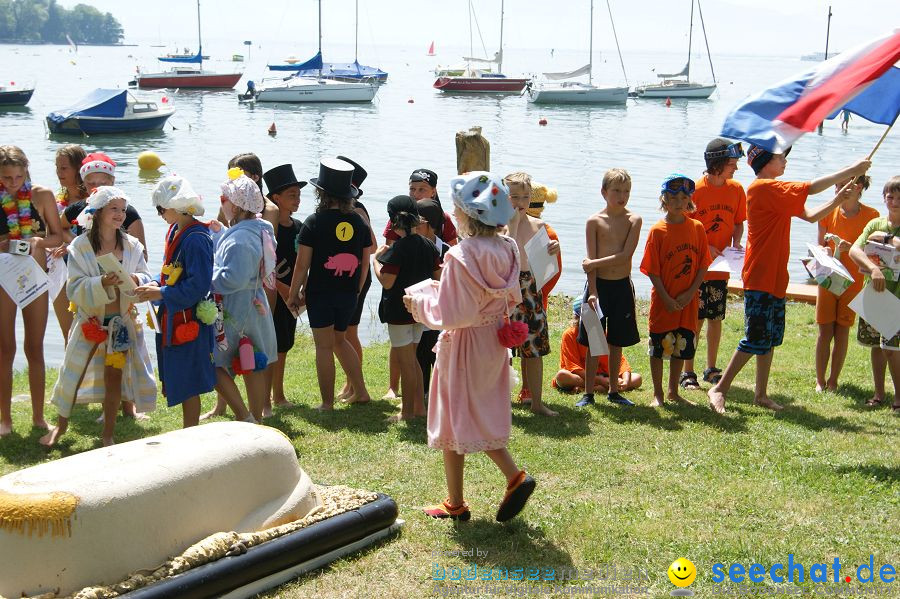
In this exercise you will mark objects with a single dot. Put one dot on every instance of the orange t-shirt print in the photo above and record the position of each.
(719, 209)
(675, 253)
(771, 205)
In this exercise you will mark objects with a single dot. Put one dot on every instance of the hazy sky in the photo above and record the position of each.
(784, 27)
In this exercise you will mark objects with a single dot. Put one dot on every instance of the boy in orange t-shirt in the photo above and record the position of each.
(833, 315)
(721, 205)
(770, 206)
(572, 356)
(675, 258)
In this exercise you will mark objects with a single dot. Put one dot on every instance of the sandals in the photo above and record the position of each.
(518, 491)
(688, 380)
(874, 403)
(444, 510)
(712, 375)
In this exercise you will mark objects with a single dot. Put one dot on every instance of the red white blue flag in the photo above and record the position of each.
(864, 80)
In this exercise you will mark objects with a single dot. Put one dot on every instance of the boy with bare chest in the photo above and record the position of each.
(612, 236)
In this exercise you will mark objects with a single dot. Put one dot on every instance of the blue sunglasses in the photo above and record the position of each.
(675, 185)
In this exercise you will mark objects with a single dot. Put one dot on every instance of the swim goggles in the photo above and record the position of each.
(733, 151)
(673, 186)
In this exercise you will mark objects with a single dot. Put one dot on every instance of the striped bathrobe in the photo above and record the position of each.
(90, 298)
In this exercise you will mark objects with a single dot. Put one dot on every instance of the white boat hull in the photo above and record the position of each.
(317, 90)
(675, 91)
(577, 94)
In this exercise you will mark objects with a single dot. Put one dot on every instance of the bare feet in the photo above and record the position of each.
(657, 402)
(211, 414)
(543, 410)
(108, 441)
(678, 399)
(40, 424)
(324, 407)
(267, 412)
(391, 395)
(820, 387)
(53, 436)
(875, 401)
(832, 387)
(345, 393)
(716, 400)
(765, 402)
(5, 428)
(357, 399)
(280, 401)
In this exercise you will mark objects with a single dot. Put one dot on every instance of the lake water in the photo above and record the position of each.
(391, 137)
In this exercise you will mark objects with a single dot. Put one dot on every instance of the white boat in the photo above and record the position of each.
(309, 89)
(679, 85)
(303, 88)
(557, 90)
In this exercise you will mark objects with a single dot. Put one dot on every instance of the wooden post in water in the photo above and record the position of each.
(827, 35)
(473, 151)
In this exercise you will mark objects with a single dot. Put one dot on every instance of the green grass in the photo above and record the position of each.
(634, 488)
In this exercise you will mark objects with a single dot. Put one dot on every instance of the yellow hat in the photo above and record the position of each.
(540, 194)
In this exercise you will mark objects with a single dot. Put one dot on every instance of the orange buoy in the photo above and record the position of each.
(668, 102)
(542, 121)
(272, 129)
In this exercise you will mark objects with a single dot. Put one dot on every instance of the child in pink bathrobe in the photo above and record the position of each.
(469, 408)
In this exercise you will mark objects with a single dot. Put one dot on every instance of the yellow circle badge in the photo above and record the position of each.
(682, 572)
(344, 231)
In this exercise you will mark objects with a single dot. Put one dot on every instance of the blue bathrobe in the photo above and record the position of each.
(186, 370)
(236, 277)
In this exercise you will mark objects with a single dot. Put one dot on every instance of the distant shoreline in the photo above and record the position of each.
(33, 43)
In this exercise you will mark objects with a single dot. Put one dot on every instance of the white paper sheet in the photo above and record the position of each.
(109, 263)
(731, 260)
(57, 273)
(22, 278)
(590, 318)
(827, 261)
(881, 310)
(543, 266)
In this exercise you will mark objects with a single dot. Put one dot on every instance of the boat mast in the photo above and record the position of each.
(356, 35)
(827, 35)
(199, 40)
(471, 46)
(706, 41)
(500, 64)
(320, 38)
(690, 35)
(591, 47)
(616, 37)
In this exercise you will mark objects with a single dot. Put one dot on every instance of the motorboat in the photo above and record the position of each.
(13, 95)
(109, 111)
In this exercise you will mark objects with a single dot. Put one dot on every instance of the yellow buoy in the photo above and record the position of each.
(149, 161)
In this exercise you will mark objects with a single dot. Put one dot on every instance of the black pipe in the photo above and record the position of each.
(230, 573)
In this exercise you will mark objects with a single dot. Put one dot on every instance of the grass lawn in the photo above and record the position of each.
(622, 492)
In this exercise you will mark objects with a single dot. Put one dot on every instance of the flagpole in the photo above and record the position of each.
(878, 145)
(827, 36)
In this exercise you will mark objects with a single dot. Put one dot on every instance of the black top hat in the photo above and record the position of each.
(335, 178)
(279, 178)
(359, 173)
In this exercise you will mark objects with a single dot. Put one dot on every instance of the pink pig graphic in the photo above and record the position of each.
(342, 263)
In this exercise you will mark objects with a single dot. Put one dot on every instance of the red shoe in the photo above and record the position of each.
(524, 396)
(445, 510)
(518, 491)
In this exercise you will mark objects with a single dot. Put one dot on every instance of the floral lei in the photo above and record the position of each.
(18, 211)
(62, 199)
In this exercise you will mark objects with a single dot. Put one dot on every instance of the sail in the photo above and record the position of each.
(183, 59)
(682, 73)
(314, 63)
(570, 74)
(497, 59)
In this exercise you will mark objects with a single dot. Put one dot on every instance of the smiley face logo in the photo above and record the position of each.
(682, 572)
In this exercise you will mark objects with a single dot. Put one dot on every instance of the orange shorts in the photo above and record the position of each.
(831, 308)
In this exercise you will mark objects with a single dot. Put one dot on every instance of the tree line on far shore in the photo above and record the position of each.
(45, 21)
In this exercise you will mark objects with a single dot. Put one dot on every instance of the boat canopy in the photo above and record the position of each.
(569, 74)
(98, 103)
(683, 72)
(314, 63)
(183, 59)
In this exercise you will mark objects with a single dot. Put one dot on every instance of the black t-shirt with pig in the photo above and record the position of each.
(337, 240)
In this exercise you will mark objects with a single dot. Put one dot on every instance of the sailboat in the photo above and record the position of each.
(476, 80)
(342, 71)
(679, 85)
(430, 49)
(315, 88)
(577, 92)
(185, 75)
